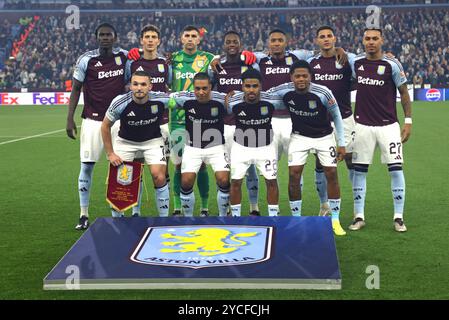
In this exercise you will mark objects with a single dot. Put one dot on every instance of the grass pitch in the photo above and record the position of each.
(39, 209)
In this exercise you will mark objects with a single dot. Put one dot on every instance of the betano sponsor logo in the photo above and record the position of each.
(184, 75)
(370, 82)
(142, 122)
(276, 70)
(328, 77)
(225, 82)
(110, 73)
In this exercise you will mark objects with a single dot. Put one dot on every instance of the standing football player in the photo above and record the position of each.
(327, 71)
(228, 79)
(160, 71)
(378, 77)
(309, 106)
(94, 71)
(253, 141)
(204, 113)
(140, 112)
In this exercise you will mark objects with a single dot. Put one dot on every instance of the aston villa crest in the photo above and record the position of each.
(289, 61)
(264, 110)
(312, 104)
(118, 61)
(381, 70)
(160, 68)
(154, 109)
(204, 246)
(125, 174)
(214, 111)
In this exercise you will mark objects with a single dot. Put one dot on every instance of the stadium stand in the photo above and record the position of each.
(418, 38)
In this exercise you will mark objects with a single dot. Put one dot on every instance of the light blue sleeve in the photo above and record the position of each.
(302, 54)
(331, 105)
(116, 108)
(281, 90)
(161, 96)
(398, 73)
(234, 100)
(274, 98)
(351, 61)
(218, 96)
(81, 68)
(260, 56)
(128, 71)
(181, 97)
(256, 66)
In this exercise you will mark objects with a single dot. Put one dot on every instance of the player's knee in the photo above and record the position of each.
(294, 175)
(159, 179)
(187, 182)
(223, 186)
(331, 174)
(272, 184)
(236, 184)
(223, 181)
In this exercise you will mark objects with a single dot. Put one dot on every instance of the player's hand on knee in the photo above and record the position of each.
(406, 132)
(341, 152)
(114, 159)
(71, 129)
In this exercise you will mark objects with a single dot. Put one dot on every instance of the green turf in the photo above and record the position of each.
(39, 209)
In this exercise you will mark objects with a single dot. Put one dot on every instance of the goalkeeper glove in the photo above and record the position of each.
(134, 54)
(248, 57)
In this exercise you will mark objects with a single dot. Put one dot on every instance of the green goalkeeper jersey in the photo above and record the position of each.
(184, 68)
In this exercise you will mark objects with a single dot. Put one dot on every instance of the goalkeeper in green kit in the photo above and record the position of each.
(185, 64)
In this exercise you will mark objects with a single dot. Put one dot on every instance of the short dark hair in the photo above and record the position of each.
(278, 31)
(232, 32)
(105, 24)
(190, 28)
(142, 74)
(202, 76)
(251, 73)
(325, 27)
(300, 64)
(373, 29)
(150, 27)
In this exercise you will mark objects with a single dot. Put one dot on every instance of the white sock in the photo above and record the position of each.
(187, 202)
(236, 210)
(84, 212)
(163, 200)
(295, 207)
(273, 210)
(334, 205)
(223, 201)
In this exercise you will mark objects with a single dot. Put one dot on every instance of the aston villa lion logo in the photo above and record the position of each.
(204, 246)
(125, 174)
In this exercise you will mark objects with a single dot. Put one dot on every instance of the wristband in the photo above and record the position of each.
(408, 120)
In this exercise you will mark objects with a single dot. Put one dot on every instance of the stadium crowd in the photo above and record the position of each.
(195, 4)
(420, 40)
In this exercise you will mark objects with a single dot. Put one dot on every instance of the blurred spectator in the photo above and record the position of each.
(419, 39)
